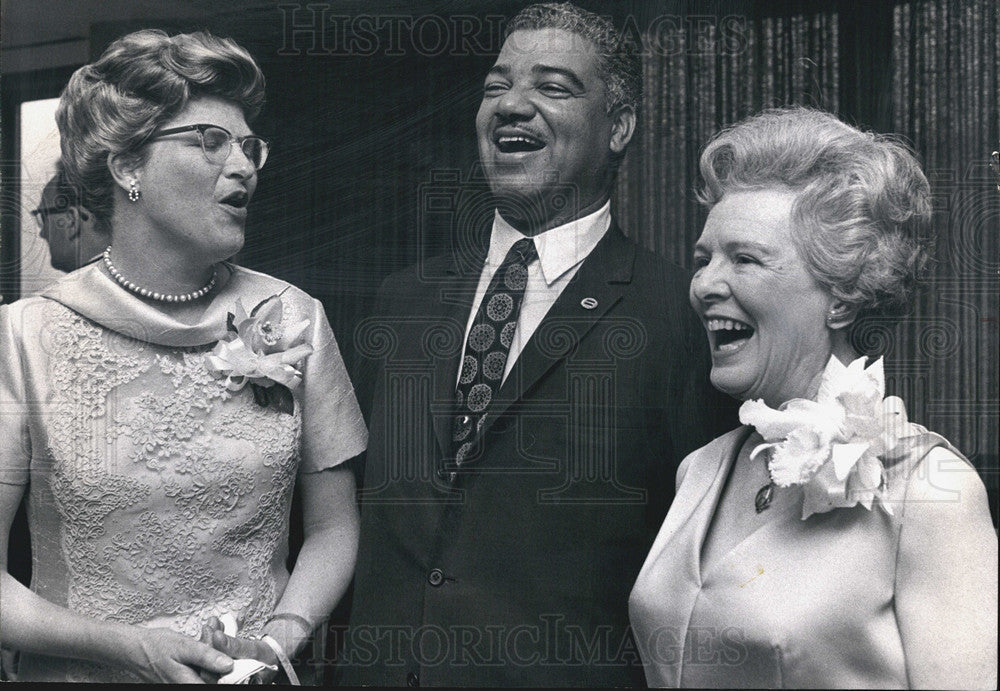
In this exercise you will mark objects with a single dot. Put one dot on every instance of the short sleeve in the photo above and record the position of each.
(945, 595)
(333, 429)
(15, 445)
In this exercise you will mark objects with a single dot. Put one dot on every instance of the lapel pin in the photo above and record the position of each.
(588, 303)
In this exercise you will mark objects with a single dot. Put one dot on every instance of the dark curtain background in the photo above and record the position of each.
(703, 74)
(946, 101)
(925, 69)
(373, 164)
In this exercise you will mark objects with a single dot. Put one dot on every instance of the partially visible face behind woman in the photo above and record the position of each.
(764, 312)
(187, 200)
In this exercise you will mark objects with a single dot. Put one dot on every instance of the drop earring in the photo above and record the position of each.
(133, 192)
(835, 315)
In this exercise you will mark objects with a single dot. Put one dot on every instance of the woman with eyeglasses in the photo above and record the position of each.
(158, 407)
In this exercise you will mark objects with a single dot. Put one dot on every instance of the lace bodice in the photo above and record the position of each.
(156, 496)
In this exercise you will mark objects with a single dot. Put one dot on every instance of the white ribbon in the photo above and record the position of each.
(244, 668)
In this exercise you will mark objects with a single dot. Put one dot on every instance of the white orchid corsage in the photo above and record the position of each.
(260, 351)
(835, 446)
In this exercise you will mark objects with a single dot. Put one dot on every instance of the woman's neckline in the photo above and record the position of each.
(93, 294)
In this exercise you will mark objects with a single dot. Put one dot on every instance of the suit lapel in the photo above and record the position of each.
(600, 283)
(456, 298)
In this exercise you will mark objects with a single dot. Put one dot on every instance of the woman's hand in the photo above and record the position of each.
(240, 648)
(165, 656)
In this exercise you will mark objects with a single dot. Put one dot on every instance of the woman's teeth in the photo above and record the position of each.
(729, 334)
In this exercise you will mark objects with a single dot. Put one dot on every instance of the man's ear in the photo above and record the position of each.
(841, 315)
(125, 169)
(622, 128)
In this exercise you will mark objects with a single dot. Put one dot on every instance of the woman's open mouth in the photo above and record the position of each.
(237, 200)
(727, 335)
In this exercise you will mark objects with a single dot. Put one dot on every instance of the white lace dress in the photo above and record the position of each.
(156, 496)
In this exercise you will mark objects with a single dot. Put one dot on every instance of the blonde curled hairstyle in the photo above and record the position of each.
(143, 79)
(862, 215)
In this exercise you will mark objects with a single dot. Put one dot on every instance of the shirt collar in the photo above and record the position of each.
(560, 248)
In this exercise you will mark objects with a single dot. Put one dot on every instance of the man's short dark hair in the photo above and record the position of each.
(620, 65)
(64, 194)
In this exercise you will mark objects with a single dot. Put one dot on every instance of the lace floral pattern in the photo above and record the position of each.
(85, 370)
(171, 493)
(255, 540)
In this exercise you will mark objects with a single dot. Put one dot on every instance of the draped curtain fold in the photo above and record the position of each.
(693, 90)
(939, 89)
(946, 101)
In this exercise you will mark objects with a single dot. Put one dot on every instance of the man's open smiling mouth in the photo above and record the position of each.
(516, 142)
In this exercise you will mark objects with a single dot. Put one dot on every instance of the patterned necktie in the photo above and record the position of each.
(488, 345)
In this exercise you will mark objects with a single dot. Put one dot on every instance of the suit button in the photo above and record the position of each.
(435, 577)
(446, 475)
(412, 679)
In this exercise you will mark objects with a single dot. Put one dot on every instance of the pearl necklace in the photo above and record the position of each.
(151, 295)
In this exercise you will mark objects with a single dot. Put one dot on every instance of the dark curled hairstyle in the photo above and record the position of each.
(620, 66)
(142, 80)
(862, 215)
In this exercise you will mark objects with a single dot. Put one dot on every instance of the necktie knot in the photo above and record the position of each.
(522, 252)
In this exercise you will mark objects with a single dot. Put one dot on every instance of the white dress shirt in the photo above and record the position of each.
(561, 250)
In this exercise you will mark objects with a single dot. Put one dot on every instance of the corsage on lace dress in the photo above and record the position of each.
(159, 485)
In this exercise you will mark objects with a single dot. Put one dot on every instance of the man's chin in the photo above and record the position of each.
(515, 191)
(533, 200)
(524, 207)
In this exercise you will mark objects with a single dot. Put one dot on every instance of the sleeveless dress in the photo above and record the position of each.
(156, 496)
(796, 604)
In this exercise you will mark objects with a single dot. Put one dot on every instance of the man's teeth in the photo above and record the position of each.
(518, 143)
(517, 140)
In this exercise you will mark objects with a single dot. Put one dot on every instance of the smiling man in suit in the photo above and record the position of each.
(531, 401)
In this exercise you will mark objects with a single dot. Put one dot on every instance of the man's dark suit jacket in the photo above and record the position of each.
(518, 572)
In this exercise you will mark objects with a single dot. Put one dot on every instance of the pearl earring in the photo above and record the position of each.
(133, 192)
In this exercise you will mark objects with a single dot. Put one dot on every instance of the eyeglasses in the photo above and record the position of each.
(217, 143)
(42, 212)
